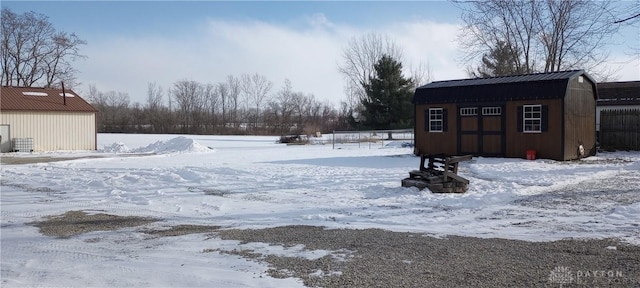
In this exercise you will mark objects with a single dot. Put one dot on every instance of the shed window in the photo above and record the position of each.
(436, 120)
(491, 111)
(532, 118)
(470, 111)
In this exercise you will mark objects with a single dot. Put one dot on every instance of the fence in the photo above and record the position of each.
(371, 138)
(620, 129)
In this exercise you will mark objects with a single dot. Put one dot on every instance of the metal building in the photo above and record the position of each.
(45, 119)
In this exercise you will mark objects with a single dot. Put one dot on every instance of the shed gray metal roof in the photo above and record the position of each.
(530, 86)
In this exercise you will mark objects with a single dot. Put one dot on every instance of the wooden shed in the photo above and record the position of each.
(45, 119)
(549, 114)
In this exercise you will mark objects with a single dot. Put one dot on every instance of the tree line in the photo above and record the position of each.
(502, 37)
(245, 104)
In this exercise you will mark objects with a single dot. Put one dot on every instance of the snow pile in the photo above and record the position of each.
(176, 145)
(316, 141)
(117, 147)
(398, 144)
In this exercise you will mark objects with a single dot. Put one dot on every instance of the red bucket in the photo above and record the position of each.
(531, 154)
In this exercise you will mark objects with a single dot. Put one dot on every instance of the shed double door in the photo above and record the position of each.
(481, 130)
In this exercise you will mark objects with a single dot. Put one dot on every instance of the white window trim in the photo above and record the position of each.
(433, 119)
(525, 118)
(469, 111)
(492, 111)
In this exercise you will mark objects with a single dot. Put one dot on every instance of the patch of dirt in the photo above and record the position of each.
(30, 160)
(18, 160)
(183, 230)
(74, 223)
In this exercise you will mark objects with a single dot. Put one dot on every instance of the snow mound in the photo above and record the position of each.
(176, 145)
(398, 144)
(118, 147)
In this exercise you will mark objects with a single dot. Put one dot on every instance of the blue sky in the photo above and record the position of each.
(132, 43)
(120, 16)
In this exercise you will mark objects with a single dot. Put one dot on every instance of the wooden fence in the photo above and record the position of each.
(620, 129)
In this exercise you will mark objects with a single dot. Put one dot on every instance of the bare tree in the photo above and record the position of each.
(234, 87)
(211, 95)
(573, 35)
(154, 96)
(34, 53)
(282, 108)
(359, 56)
(99, 101)
(57, 67)
(328, 117)
(631, 15)
(547, 36)
(256, 87)
(137, 116)
(117, 110)
(299, 104)
(490, 22)
(420, 74)
(153, 107)
(189, 98)
(94, 96)
(223, 93)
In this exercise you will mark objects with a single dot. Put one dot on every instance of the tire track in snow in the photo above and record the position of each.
(51, 255)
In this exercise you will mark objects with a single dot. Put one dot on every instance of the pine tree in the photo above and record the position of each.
(387, 104)
(501, 61)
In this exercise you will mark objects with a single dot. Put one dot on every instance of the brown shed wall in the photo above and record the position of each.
(547, 144)
(580, 119)
(436, 142)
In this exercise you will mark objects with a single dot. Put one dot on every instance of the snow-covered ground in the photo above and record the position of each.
(252, 182)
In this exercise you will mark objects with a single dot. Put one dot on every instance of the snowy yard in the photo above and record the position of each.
(252, 182)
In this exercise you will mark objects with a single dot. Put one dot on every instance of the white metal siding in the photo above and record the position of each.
(53, 131)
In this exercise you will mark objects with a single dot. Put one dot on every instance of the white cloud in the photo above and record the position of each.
(306, 52)
(307, 55)
(626, 67)
(432, 43)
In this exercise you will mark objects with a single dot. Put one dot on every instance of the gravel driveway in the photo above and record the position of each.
(380, 258)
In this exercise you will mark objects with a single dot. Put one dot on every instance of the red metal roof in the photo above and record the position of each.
(42, 99)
